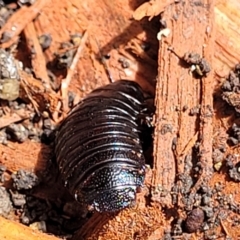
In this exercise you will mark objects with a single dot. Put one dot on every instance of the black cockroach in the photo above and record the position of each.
(99, 150)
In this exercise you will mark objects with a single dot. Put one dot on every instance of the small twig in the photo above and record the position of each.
(55, 114)
(104, 63)
(12, 118)
(171, 49)
(24, 85)
(224, 228)
(65, 82)
(189, 145)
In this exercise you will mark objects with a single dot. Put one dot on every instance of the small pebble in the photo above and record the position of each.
(45, 41)
(194, 220)
(5, 202)
(18, 199)
(17, 132)
(40, 226)
(24, 180)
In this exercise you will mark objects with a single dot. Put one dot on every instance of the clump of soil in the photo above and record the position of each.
(62, 217)
(231, 88)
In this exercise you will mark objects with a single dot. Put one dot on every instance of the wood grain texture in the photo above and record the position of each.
(191, 30)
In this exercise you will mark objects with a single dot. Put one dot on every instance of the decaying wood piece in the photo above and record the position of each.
(16, 231)
(206, 114)
(178, 92)
(27, 156)
(146, 223)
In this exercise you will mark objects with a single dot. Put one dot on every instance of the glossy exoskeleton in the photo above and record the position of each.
(99, 150)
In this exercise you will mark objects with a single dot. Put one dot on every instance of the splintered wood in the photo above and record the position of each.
(144, 223)
(178, 91)
(29, 156)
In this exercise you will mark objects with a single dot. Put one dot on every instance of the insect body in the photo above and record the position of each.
(98, 147)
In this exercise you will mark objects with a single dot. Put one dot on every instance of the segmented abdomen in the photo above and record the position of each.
(98, 149)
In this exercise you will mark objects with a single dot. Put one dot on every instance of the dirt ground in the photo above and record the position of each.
(183, 53)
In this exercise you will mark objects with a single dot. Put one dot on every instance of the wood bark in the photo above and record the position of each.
(178, 91)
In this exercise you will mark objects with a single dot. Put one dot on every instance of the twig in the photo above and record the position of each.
(224, 228)
(24, 85)
(67, 80)
(104, 63)
(12, 118)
